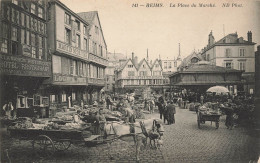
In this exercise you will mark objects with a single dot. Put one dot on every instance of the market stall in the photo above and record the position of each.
(32, 106)
(208, 112)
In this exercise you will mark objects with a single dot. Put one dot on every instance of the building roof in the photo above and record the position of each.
(141, 62)
(68, 9)
(155, 62)
(206, 68)
(89, 17)
(125, 63)
(187, 60)
(115, 56)
(230, 39)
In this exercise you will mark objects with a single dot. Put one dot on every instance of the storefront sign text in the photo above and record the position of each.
(69, 79)
(70, 50)
(18, 65)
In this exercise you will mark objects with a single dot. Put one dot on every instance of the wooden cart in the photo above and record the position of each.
(46, 142)
(202, 117)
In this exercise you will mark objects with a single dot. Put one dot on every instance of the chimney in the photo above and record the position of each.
(147, 58)
(136, 60)
(249, 36)
(211, 40)
(133, 56)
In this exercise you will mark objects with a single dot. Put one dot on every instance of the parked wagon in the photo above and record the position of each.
(46, 142)
(203, 116)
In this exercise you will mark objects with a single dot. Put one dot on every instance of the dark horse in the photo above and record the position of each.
(139, 131)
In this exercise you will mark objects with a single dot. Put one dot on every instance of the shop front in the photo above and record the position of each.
(94, 89)
(21, 84)
(65, 91)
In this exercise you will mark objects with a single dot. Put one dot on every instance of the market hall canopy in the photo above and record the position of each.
(218, 89)
(202, 74)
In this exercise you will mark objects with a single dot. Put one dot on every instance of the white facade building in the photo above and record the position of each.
(233, 52)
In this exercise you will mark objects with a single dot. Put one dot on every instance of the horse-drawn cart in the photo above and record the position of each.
(46, 142)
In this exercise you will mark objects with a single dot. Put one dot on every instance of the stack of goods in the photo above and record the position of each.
(209, 109)
(52, 126)
(22, 123)
(89, 115)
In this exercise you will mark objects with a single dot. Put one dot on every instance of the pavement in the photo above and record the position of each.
(183, 143)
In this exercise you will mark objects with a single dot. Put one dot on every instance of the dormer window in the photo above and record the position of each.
(130, 66)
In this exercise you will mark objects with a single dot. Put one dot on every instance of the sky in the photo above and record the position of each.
(130, 29)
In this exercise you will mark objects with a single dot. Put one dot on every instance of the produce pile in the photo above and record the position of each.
(22, 123)
(75, 119)
(209, 109)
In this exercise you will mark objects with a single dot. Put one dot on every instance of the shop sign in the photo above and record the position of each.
(72, 51)
(19, 65)
(66, 79)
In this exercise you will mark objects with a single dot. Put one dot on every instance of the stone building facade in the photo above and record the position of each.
(25, 62)
(78, 60)
(235, 53)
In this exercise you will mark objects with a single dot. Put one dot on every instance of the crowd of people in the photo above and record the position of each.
(128, 106)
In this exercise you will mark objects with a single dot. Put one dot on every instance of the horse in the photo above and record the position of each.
(139, 131)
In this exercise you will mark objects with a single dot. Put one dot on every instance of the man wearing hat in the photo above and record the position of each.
(100, 121)
(171, 111)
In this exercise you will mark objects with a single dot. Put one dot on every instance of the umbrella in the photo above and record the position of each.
(218, 89)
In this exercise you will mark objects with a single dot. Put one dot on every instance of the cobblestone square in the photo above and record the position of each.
(183, 142)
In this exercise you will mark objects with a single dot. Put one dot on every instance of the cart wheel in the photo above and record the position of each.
(217, 125)
(198, 119)
(43, 146)
(62, 145)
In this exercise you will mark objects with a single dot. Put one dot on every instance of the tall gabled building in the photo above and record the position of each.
(133, 75)
(97, 54)
(68, 42)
